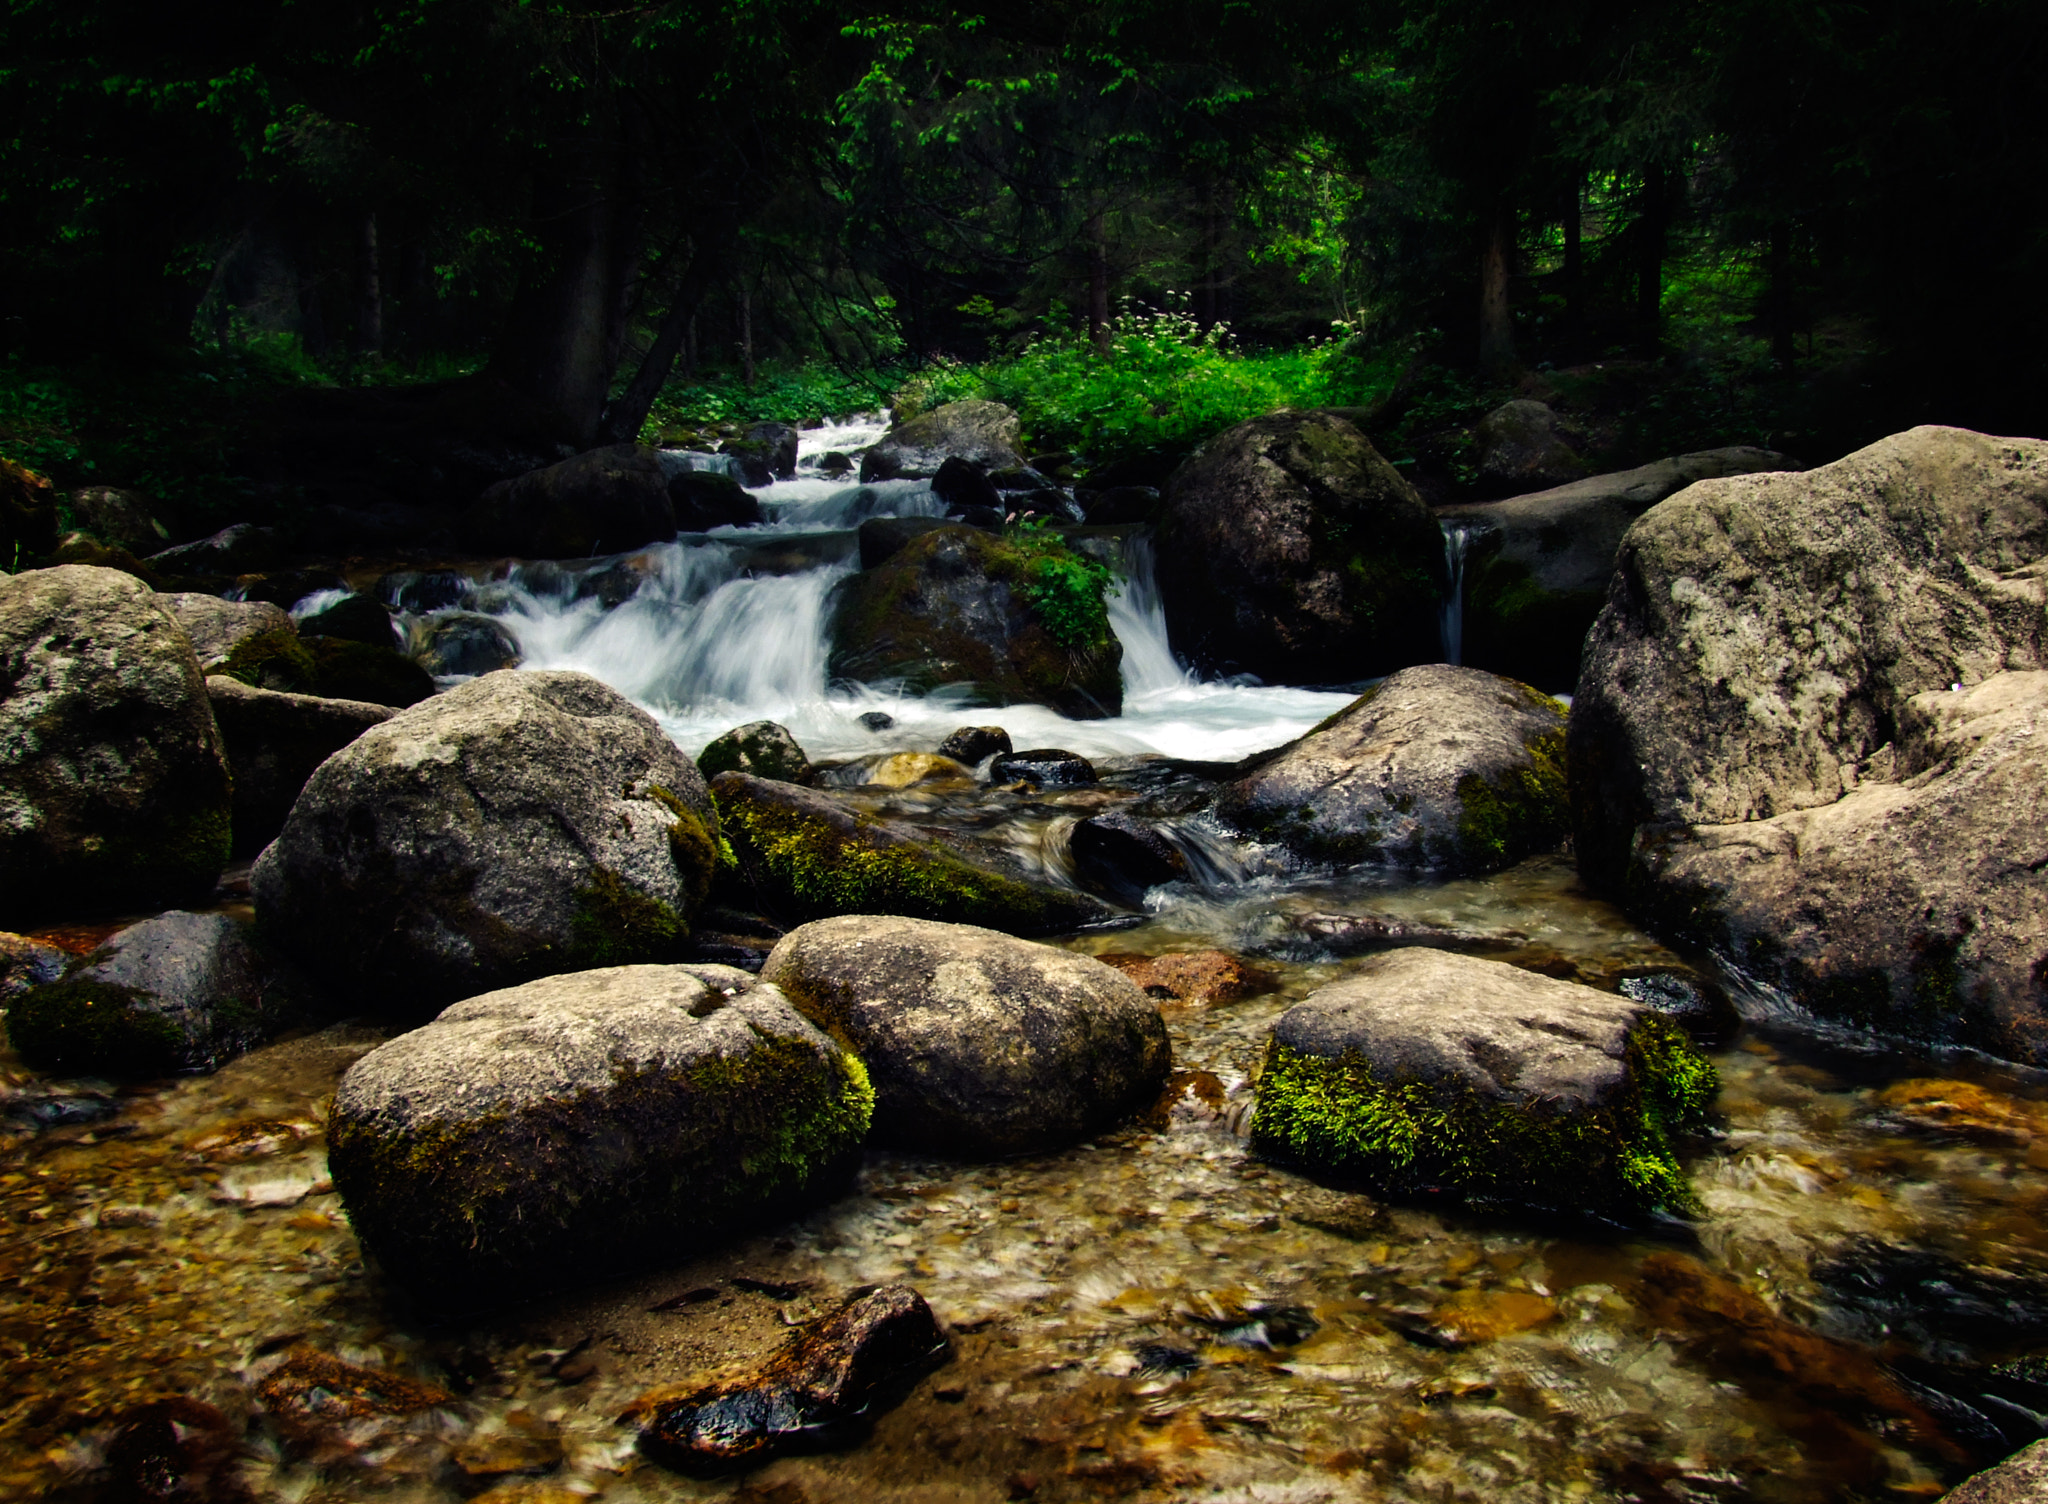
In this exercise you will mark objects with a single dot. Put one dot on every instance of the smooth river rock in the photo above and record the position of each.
(113, 782)
(977, 1043)
(518, 825)
(1448, 769)
(583, 1124)
(1776, 645)
(1422, 1070)
(982, 434)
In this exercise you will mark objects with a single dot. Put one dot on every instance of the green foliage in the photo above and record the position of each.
(795, 394)
(1067, 588)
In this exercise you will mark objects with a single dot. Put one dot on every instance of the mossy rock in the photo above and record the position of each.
(77, 548)
(583, 1124)
(762, 748)
(332, 668)
(1424, 1071)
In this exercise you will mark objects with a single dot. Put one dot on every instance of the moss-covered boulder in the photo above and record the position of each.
(1424, 1071)
(605, 501)
(113, 783)
(1439, 768)
(583, 1124)
(331, 668)
(977, 1043)
(1536, 566)
(28, 515)
(519, 825)
(982, 434)
(274, 742)
(217, 627)
(763, 748)
(1019, 619)
(176, 993)
(807, 854)
(1289, 549)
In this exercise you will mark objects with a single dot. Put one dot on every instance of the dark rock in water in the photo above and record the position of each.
(1043, 767)
(28, 513)
(984, 434)
(287, 587)
(2021, 1479)
(1935, 1299)
(26, 963)
(466, 642)
(1020, 478)
(1049, 502)
(345, 670)
(33, 1109)
(360, 618)
(882, 538)
(116, 783)
(1698, 1006)
(1121, 856)
(704, 500)
(1164, 1358)
(1445, 768)
(762, 748)
(274, 742)
(1354, 934)
(119, 517)
(835, 1373)
(421, 593)
(519, 825)
(807, 854)
(608, 500)
(217, 627)
(176, 1451)
(1422, 1069)
(1121, 504)
(832, 462)
(333, 1410)
(583, 1124)
(1768, 757)
(764, 453)
(1524, 445)
(1151, 467)
(973, 744)
(1289, 549)
(1537, 566)
(233, 550)
(977, 1043)
(178, 992)
(876, 720)
(988, 519)
(960, 486)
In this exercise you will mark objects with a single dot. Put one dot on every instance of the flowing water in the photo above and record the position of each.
(1154, 1315)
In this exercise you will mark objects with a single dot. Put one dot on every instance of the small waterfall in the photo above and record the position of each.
(1451, 615)
(1138, 617)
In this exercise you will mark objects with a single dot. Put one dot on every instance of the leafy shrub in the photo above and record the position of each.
(801, 394)
(1067, 588)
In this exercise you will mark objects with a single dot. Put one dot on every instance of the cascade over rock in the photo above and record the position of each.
(1766, 723)
(1289, 549)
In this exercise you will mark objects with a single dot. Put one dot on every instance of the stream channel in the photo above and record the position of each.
(1157, 1314)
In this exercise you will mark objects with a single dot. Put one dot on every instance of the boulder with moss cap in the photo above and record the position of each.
(519, 825)
(113, 784)
(810, 854)
(581, 1124)
(1440, 768)
(1426, 1071)
(764, 748)
(978, 1043)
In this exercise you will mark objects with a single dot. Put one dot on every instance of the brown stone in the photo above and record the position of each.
(1203, 978)
(320, 1402)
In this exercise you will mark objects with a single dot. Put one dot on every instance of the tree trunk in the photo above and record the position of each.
(746, 342)
(1652, 230)
(1496, 319)
(369, 294)
(676, 335)
(1780, 294)
(1098, 284)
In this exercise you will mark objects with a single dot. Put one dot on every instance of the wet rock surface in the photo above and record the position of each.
(1423, 1068)
(977, 1043)
(117, 786)
(274, 742)
(1289, 549)
(975, 744)
(584, 1123)
(703, 501)
(518, 825)
(178, 992)
(1201, 977)
(1123, 856)
(1440, 767)
(1524, 444)
(830, 1376)
(763, 748)
(357, 618)
(466, 643)
(1042, 767)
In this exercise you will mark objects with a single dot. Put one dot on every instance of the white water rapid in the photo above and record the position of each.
(1451, 615)
(731, 626)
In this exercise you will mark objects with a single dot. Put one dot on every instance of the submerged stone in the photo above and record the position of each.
(1424, 1070)
(834, 1373)
(977, 1043)
(587, 1123)
(334, 1410)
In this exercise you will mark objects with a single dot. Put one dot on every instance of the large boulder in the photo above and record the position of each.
(764, 453)
(1535, 567)
(176, 993)
(704, 499)
(28, 515)
(809, 854)
(1423, 1070)
(334, 668)
(1524, 443)
(983, 434)
(274, 742)
(1289, 549)
(217, 627)
(1444, 768)
(977, 1043)
(2021, 1479)
(518, 825)
(582, 1124)
(113, 783)
(960, 606)
(243, 548)
(607, 500)
(1760, 654)
(465, 643)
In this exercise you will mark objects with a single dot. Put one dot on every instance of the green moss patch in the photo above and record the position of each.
(1408, 1136)
(613, 924)
(1523, 810)
(84, 1027)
